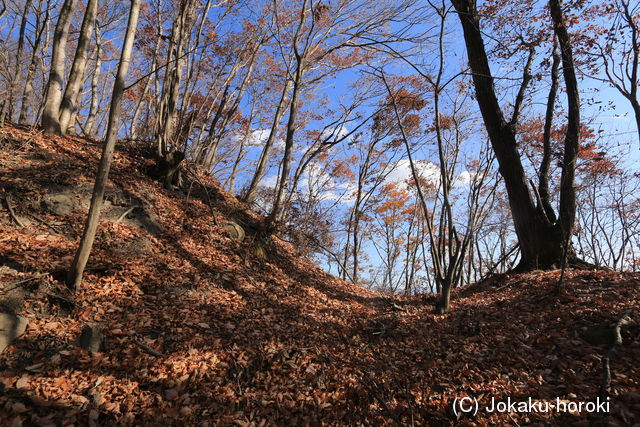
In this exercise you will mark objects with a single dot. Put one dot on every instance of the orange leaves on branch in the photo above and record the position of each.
(407, 101)
(342, 170)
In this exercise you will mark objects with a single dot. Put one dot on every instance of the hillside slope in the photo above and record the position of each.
(201, 329)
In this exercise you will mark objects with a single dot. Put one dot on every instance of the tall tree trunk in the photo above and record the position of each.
(167, 111)
(261, 168)
(145, 89)
(238, 94)
(84, 249)
(541, 244)
(28, 84)
(95, 80)
(636, 110)
(288, 145)
(567, 214)
(68, 105)
(231, 180)
(193, 71)
(53, 97)
(543, 174)
(16, 76)
(301, 58)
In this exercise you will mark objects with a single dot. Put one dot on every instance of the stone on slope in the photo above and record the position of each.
(11, 327)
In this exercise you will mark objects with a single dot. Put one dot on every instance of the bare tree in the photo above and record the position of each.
(617, 51)
(68, 106)
(41, 25)
(543, 242)
(167, 108)
(53, 96)
(76, 271)
(89, 126)
(19, 51)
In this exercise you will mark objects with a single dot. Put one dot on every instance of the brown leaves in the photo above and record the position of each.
(282, 342)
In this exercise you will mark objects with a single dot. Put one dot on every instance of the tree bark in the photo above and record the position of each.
(216, 136)
(21, 36)
(541, 242)
(288, 147)
(84, 249)
(543, 174)
(40, 27)
(53, 97)
(167, 111)
(93, 109)
(252, 191)
(567, 214)
(68, 106)
(145, 89)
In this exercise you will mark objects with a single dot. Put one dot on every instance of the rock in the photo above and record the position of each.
(236, 232)
(138, 246)
(11, 327)
(92, 337)
(61, 204)
(12, 296)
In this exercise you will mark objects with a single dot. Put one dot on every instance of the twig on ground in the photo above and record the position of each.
(127, 212)
(613, 350)
(186, 203)
(395, 306)
(39, 219)
(148, 349)
(14, 285)
(7, 200)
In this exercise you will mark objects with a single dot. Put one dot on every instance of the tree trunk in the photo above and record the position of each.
(543, 175)
(95, 80)
(84, 249)
(567, 214)
(69, 106)
(167, 111)
(541, 242)
(444, 301)
(288, 146)
(252, 191)
(145, 90)
(193, 76)
(53, 97)
(231, 181)
(16, 77)
(40, 27)
(228, 115)
(636, 111)
(291, 122)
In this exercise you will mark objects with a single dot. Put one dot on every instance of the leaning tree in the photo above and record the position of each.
(544, 236)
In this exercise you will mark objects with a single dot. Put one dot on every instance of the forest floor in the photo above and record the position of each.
(201, 329)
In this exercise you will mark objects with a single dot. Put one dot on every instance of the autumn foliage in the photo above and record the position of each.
(199, 329)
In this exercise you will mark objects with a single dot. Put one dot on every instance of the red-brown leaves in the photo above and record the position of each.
(251, 341)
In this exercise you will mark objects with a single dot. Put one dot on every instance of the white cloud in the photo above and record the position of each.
(257, 137)
(465, 178)
(270, 181)
(334, 134)
(317, 179)
(402, 171)
(426, 169)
